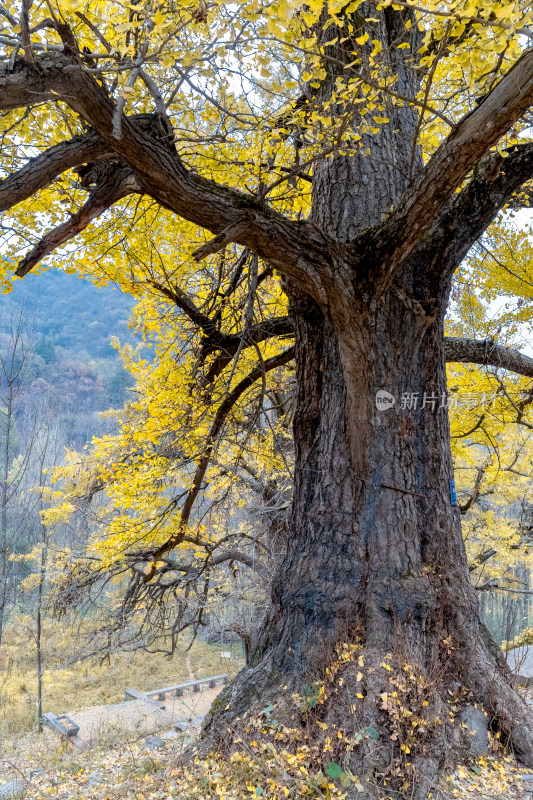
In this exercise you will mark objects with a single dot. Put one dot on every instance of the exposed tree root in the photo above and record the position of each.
(490, 680)
(387, 726)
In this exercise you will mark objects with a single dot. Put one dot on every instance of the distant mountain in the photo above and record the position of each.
(67, 326)
(70, 312)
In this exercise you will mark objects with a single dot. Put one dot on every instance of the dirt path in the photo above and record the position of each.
(138, 716)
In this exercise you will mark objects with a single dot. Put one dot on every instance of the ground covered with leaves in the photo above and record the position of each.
(141, 769)
(306, 755)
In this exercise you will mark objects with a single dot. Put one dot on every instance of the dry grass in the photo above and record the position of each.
(86, 683)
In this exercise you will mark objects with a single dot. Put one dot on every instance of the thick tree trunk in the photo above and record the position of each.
(373, 530)
(375, 552)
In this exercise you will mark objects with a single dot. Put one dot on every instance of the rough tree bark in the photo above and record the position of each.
(374, 552)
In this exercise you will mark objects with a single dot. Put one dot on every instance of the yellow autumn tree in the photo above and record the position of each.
(313, 169)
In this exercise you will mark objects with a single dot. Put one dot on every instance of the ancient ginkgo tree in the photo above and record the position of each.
(358, 150)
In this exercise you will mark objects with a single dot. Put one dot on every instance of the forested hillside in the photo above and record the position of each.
(70, 313)
(66, 325)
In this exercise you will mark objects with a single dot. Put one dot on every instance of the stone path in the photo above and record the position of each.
(138, 716)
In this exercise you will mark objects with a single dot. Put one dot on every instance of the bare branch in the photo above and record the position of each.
(121, 102)
(214, 561)
(482, 558)
(10, 18)
(156, 94)
(474, 497)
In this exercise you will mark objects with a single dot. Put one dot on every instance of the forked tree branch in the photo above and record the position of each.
(469, 213)
(471, 139)
(298, 249)
(41, 171)
(187, 305)
(228, 344)
(114, 184)
(266, 329)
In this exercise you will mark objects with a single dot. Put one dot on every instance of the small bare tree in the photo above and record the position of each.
(14, 464)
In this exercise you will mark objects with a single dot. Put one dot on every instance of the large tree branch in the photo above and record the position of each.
(39, 172)
(114, 183)
(488, 353)
(464, 148)
(28, 85)
(298, 249)
(467, 216)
